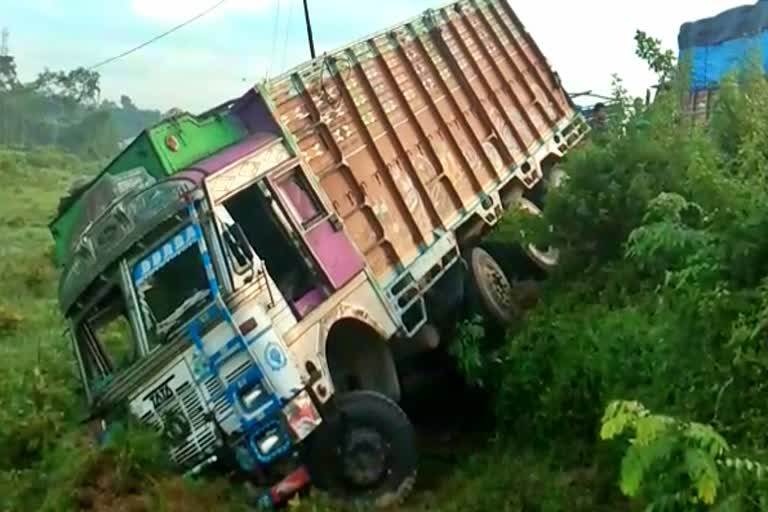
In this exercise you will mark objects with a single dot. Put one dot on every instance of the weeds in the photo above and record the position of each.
(10, 320)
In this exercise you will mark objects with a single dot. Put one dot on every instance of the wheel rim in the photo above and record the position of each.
(495, 283)
(544, 256)
(365, 457)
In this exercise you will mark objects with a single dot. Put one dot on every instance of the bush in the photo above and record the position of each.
(695, 460)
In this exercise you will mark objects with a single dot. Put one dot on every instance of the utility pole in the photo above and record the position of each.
(309, 30)
(4, 44)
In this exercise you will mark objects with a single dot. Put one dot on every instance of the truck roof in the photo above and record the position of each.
(128, 218)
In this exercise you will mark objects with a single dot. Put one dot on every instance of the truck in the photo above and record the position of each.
(717, 46)
(251, 280)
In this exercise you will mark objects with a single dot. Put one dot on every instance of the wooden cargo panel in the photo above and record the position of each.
(406, 129)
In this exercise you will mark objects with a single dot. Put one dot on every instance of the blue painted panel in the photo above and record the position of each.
(165, 253)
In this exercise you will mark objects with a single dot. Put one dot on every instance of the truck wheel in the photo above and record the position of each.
(546, 258)
(491, 287)
(365, 451)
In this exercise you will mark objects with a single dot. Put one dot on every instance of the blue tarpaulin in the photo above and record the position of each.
(721, 44)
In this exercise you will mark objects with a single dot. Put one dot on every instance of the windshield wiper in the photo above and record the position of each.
(171, 320)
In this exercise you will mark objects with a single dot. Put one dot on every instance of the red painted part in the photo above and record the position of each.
(289, 485)
(172, 143)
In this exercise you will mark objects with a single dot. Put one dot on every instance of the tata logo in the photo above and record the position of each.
(161, 394)
(275, 357)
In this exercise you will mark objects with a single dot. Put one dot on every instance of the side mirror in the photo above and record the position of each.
(242, 241)
(239, 246)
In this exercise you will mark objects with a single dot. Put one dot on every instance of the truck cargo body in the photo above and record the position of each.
(419, 124)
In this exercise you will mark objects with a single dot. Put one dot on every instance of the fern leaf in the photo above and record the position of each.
(703, 473)
(632, 470)
(638, 459)
(649, 428)
(707, 438)
(620, 415)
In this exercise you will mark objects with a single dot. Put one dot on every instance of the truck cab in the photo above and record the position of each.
(175, 314)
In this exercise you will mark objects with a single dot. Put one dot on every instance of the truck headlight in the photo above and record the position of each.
(268, 442)
(252, 396)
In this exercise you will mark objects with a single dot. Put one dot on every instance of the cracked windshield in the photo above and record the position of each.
(428, 255)
(170, 291)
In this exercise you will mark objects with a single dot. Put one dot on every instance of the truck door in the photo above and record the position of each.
(321, 230)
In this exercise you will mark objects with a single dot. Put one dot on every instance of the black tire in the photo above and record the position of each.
(364, 416)
(490, 287)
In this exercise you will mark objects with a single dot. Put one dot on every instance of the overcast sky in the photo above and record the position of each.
(219, 56)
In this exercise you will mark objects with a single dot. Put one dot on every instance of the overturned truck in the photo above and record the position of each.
(244, 279)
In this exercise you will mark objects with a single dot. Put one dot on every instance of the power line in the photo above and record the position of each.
(158, 37)
(274, 39)
(287, 34)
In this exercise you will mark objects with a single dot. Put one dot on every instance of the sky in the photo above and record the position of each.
(222, 54)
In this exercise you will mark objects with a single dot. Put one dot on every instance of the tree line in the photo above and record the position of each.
(64, 109)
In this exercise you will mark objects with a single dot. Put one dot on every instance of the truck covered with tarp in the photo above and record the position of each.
(717, 46)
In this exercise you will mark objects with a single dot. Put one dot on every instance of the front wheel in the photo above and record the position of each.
(364, 451)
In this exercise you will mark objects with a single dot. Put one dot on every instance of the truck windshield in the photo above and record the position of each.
(171, 283)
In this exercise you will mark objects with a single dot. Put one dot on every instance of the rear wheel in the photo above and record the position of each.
(364, 451)
(546, 258)
(490, 287)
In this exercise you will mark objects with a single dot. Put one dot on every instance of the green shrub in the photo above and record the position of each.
(694, 459)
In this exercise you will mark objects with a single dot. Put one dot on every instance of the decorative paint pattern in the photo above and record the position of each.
(246, 171)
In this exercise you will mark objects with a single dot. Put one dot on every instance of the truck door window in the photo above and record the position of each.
(105, 339)
(252, 211)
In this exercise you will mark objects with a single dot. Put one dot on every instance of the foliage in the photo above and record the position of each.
(660, 61)
(10, 320)
(78, 86)
(661, 297)
(61, 108)
(467, 349)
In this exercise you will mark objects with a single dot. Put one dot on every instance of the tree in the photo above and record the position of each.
(8, 78)
(80, 85)
(660, 61)
(127, 103)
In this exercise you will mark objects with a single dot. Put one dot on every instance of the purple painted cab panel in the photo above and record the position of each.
(253, 113)
(232, 154)
(309, 302)
(335, 253)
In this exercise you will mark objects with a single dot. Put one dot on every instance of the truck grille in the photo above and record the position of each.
(188, 407)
